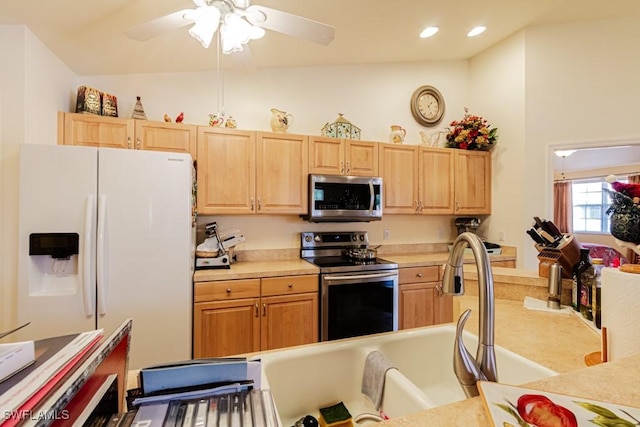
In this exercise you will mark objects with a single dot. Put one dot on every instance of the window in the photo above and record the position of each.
(590, 204)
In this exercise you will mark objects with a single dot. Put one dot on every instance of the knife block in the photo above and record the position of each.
(567, 254)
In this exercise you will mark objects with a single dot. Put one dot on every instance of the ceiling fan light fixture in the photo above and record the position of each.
(236, 31)
(428, 32)
(206, 20)
(476, 31)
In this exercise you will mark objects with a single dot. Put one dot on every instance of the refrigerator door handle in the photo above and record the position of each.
(100, 260)
(87, 285)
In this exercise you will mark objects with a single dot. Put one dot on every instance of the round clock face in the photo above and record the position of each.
(427, 106)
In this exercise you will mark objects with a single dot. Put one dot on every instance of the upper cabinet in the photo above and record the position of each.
(472, 182)
(115, 132)
(342, 156)
(435, 181)
(247, 172)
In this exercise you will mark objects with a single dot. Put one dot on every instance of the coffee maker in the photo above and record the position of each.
(464, 224)
(471, 224)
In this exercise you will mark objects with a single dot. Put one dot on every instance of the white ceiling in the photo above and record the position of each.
(88, 35)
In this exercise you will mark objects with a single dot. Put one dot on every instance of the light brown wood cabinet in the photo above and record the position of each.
(472, 182)
(247, 172)
(335, 156)
(246, 315)
(114, 132)
(435, 181)
(421, 301)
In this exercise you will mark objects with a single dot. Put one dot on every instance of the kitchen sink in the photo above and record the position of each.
(303, 379)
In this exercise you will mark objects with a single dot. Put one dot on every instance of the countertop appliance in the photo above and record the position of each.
(223, 243)
(340, 198)
(358, 290)
(131, 212)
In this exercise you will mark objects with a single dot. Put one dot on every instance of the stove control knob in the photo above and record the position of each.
(362, 237)
(354, 238)
(317, 239)
(307, 238)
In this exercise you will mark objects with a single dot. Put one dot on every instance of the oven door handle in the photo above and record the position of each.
(361, 276)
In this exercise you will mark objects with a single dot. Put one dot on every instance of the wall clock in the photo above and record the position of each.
(427, 106)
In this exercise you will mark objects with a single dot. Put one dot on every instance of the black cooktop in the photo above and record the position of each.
(344, 263)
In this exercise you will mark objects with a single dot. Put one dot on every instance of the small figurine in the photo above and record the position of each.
(180, 117)
(215, 121)
(138, 110)
(231, 123)
(167, 118)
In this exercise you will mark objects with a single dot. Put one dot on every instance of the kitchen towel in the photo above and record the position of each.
(375, 369)
(620, 312)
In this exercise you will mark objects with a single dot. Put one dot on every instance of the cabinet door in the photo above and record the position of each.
(226, 171)
(417, 305)
(282, 171)
(473, 182)
(224, 328)
(160, 136)
(327, 155)
(399, 170)
(97, 131)
(436, 177)
(362, 158)
(289, 320)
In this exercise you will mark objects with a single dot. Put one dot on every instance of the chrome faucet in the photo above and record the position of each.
(469, 370)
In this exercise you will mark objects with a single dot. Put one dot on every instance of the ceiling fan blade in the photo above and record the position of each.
(155, 27)
(290, 24)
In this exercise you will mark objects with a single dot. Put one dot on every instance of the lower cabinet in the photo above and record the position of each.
(242, 316)
(421, 301)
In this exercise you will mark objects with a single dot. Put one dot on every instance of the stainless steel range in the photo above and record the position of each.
(358, 290)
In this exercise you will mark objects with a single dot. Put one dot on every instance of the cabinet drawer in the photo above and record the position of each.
(226, 289)
(289, 285)
(418, 274)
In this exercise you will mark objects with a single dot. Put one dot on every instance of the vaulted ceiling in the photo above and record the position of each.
(89, 35)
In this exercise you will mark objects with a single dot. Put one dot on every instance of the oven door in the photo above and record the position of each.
(359, 303)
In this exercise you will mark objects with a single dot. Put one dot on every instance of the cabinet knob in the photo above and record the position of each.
(264, 309)
(138, 143)
(228, 290)
(290, 285)
(341, 167)
(259, 203)
(128, 142)
(253, 204)
(348, 167)
(417, 206)
(419, 274)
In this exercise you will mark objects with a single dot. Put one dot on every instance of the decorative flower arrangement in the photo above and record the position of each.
(471, 133)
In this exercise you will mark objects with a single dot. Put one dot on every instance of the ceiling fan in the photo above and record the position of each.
(238, 21)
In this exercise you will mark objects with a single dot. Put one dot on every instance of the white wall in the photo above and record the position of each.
(34, 84)
(373, 97)
(582, 88)
(497, 94)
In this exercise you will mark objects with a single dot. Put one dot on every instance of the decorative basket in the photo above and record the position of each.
(625, 217)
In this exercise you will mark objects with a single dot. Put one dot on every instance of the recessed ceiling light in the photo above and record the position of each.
(428, 32)
(476, 31)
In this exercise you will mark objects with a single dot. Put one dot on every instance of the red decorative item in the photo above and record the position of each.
(540, 411)
(180, 118)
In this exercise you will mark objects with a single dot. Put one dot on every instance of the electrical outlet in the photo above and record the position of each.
(385, 234)
(501, 236)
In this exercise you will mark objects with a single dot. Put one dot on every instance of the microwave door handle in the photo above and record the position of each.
(372, 197)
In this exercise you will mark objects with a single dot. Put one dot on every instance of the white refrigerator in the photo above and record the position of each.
(105, 235)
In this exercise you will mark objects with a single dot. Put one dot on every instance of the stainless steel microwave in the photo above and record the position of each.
(339, 198)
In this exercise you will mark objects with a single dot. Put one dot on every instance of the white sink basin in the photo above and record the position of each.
(303, 379)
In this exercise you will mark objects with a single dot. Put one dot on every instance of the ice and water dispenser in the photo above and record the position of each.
(53, 263)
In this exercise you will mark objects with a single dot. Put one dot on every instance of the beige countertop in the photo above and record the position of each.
(295, 266)
(253, 269)
(555, 340)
